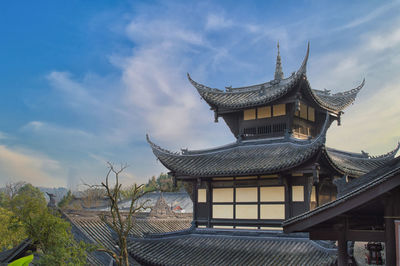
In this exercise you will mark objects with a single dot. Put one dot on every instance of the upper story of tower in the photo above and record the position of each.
(277, 108)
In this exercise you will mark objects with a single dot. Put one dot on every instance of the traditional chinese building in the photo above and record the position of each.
(279, 166)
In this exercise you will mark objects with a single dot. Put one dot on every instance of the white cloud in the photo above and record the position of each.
(29, 166)
(371, 16)
(152, 95)
(372, 123)
(217, 22)
(384, 41)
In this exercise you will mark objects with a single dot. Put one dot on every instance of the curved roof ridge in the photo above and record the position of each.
(229, 90)
(303, 67)
(390, 154)
(158, 148)
(365, 155)
(354, 164)
(337, 101)
(301, 70)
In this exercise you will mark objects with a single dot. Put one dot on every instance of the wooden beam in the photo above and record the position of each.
(351, 235)
(390, 241)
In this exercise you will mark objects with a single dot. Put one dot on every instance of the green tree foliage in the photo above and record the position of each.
(12, 231)
(164, 182)
(49, 232)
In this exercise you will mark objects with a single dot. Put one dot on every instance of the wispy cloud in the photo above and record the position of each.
(217, 22)
(109, 114)
(29, 166)
(377, 12)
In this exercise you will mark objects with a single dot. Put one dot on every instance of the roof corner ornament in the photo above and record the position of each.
(278, 67)
(339, 118)
(365, 154)
(52, 201)
(303, 69)
(216, 116)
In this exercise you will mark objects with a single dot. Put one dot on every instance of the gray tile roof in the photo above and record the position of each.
(357, 164)
(210, 249)
(87, 226)
(16, 252)
(243, 158)
(335, 102)
(242, 97)
(264, 93)
(264, 156)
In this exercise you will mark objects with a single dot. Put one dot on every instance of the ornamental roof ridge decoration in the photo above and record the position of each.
(278, 68)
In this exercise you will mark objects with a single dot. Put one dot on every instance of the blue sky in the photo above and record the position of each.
(82, 82)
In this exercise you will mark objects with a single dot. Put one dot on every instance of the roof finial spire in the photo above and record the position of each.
(278, 68)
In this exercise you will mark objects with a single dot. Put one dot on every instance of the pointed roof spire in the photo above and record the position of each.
(278, 68)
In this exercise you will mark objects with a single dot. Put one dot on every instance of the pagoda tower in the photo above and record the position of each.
(279, 166)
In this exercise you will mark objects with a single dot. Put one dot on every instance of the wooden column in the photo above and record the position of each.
(195, 203)
(209, 203)
(390, 237)
(342, 249)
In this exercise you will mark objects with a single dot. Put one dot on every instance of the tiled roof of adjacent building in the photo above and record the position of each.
(16, 252)
(265, 93)
(208, 247)
(357, 164)
(87, 225)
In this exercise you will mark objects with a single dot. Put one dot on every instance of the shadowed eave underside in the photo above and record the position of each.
(265, 93)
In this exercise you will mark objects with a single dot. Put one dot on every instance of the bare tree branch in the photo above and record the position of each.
(121, 222)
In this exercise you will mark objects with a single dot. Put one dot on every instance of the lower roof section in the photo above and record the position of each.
(211, 247)
(265, 156)
(241, 158)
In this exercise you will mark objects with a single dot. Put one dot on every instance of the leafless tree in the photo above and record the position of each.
(93, 196)
(121, 222)
(12, 189)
